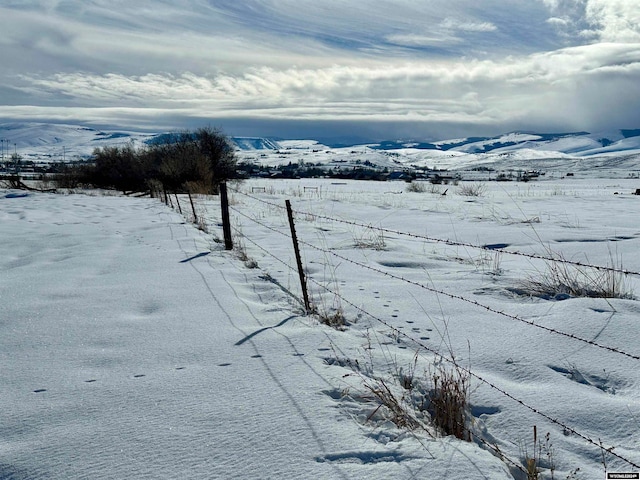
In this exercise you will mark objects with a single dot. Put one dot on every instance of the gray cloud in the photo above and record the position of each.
(390, 66)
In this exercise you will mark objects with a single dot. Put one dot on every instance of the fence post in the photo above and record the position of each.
(193, 208)
(178, 202)
(226, 222)
(296, 249)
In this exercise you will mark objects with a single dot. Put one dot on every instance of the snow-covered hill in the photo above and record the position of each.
(618, 149)
(57, 142)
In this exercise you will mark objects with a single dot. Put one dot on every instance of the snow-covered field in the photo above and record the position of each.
(134, 346)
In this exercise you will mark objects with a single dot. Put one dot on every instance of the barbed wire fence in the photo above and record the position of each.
(420, 346)
(448, 242)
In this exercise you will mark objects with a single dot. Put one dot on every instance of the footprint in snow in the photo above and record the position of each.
(140, 375)
(40, 390)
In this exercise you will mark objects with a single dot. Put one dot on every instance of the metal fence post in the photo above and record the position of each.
(296, 248)
(226, 222)
(193, 208)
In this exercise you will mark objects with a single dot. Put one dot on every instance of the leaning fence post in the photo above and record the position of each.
(226, 222)
(296, 249)
(193, 208)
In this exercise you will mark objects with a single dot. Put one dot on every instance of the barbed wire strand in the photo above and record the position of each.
(481, 379)
(447, 242)
(473, 434)
(452, 295)
(475, 303)
(452, 361)
(264, 250)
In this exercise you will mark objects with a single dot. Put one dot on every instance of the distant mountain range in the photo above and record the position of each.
(578, 144)
(54, 142)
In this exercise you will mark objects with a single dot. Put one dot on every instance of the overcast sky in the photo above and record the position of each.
(430, 69)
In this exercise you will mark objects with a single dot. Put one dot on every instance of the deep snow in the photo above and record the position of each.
(133, 346)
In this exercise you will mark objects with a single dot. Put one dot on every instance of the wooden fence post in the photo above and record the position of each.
(226, 222)
(178, 202)
(296, 249)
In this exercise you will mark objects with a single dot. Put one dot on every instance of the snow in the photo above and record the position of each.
(134, 346)
(623, 156)
(514, 137)
(41, 142)
(45, 143)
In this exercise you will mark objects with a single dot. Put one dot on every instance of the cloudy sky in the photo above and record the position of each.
(429, 69)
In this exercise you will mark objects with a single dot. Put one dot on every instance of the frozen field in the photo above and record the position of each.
(134, 346)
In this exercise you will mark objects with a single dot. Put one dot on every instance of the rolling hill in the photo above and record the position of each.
(620, 149)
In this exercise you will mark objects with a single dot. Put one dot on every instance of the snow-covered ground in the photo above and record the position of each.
(134, 346)
(614, 154)
(50, 142)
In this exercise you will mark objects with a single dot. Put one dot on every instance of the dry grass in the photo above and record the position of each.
(417, 187)
(449, 402)
(472, 189)
(369, 238)
(328, 304)
(561, 279)
(333, 317)
(542, 458)
(435, 404)
(397, 407)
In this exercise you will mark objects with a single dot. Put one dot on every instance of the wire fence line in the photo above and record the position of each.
(476, 303)
(456, 364)
(452, 296)
(423, 346)
(472, 434)
(448, 242)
